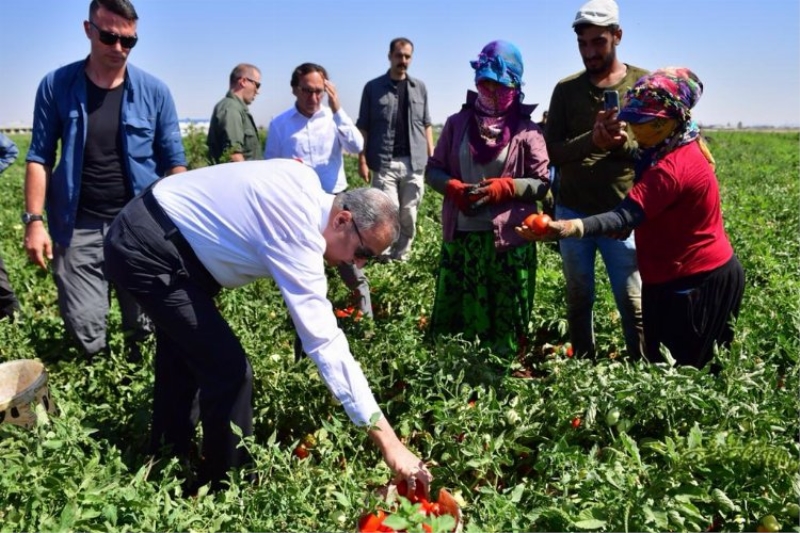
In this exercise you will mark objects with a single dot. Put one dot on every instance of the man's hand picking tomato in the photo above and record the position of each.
(417, 495)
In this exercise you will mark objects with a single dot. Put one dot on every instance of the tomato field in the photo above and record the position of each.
(551, 443)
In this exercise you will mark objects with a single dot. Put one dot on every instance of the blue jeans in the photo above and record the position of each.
(578, 258)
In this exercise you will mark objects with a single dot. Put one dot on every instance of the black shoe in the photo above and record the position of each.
(133, 353)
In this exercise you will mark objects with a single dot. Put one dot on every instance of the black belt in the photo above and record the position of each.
(173, 234)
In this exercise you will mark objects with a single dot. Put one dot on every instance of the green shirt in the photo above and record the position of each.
(591, 180)
(233, 129)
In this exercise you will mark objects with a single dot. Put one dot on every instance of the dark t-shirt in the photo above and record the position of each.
(105, 188)
(591, 180)
(401, 143)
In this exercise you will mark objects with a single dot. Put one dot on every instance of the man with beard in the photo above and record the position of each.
(398, 139)
(594, 153)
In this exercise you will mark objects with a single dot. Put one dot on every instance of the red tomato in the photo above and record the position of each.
(425, 506)
(373, 523)
(576, 422)
(538, 223)
(301, 452)
(417, 496)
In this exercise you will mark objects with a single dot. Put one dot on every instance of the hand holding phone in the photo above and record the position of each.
(610, 99)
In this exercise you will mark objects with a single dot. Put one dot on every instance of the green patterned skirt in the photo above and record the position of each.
(484, 293)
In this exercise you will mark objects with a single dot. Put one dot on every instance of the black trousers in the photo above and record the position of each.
(196, 350)
(691, 314)
(8, 300)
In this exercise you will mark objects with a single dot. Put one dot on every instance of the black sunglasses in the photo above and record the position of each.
(110, 39)
(254, 82)
(310, 91)
(362, 252)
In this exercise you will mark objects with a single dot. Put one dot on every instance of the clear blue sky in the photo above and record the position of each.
(747, 52)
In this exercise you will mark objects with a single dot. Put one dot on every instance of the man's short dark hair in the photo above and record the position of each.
(307, 68)
(402, 41)
(123, 8)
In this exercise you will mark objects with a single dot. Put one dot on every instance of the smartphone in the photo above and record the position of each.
(610, 99)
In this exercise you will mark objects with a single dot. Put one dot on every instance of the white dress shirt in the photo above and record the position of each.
(320, 141)
(257, 219)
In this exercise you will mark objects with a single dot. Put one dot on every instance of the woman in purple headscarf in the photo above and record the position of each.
(692, 281)
(490, 163)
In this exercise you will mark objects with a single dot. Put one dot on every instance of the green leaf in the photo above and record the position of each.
(695, 439)
(723, 500)
(516, 494)
(343, 500)
(591, 523)
(396, 522)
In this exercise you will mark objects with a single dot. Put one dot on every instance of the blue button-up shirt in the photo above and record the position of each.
(8, 152)
(151, 137)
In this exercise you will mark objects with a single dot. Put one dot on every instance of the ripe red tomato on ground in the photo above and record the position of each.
(576, 422)
(301, 452)
(538, 223)
(373, 523)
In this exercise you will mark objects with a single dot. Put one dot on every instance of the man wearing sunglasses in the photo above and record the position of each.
(319, 136)
(117, 131)
(178, 244)
(232, 134)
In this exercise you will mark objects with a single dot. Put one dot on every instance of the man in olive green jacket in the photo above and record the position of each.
(232, 134)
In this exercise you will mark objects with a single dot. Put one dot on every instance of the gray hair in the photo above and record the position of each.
(372, 209)
(242, 70)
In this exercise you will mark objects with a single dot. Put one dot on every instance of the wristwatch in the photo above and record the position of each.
(27, 218)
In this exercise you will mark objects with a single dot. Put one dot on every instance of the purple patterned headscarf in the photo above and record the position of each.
(668, 93)
(499, 61)
(494, 122)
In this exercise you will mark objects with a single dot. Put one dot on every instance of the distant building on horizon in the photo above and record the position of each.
(193, 125)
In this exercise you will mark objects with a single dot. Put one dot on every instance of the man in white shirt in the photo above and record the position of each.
(320, 136)
(177, 244)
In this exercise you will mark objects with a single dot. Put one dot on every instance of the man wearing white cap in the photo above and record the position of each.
(594, 154)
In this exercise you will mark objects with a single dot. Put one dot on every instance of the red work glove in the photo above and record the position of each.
(458, 191)
(493, 191)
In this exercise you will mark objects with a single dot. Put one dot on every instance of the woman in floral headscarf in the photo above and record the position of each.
(490, 163)
(692, 282)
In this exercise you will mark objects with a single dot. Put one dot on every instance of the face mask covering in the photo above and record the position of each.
(649, 134)
(495, 99)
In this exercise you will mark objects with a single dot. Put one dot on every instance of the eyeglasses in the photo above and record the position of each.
(254, 82)
(308, 91)
(110, 39)
(362, 252)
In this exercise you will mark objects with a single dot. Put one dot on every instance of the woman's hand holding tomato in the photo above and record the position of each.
(538, 223)
(536, 227)
(539, 227)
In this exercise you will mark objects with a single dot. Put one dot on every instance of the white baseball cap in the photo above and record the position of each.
(597, 13)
